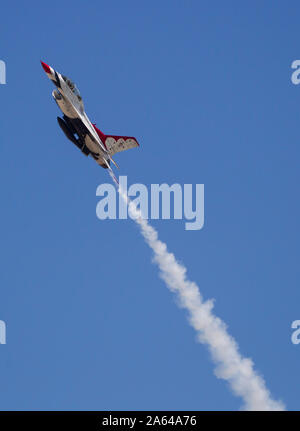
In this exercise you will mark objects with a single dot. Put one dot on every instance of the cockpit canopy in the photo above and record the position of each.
(72, 87)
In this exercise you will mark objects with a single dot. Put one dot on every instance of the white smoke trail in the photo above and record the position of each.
(212, 331)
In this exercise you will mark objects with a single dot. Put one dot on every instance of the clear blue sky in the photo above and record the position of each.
(205, 87)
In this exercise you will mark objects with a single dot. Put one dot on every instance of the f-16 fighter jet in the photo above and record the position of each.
(78, 128)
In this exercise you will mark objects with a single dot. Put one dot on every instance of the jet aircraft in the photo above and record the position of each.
(78, 128)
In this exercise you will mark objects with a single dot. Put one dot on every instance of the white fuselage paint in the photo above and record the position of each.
(70, 105)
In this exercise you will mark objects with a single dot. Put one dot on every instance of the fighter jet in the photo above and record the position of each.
(78, 128)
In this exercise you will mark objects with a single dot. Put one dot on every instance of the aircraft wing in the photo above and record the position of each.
(115, 144)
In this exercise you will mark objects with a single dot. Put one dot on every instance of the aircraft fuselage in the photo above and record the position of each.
(76, 121)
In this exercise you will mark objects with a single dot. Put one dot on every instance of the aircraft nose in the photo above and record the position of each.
(46, 67)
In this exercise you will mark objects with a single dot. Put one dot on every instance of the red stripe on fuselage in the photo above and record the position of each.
(101, 135)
